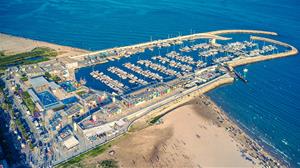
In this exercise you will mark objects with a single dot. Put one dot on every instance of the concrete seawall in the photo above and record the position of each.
(219, 32)
(271, 41)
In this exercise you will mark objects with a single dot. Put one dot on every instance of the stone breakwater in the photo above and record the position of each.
(249, 60)
(218, 32)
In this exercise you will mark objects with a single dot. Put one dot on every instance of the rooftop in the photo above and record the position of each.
(71, 142)
(38, 81)
(53, 85)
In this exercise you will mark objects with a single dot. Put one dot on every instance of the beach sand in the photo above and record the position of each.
(196, 134)
(13, 45)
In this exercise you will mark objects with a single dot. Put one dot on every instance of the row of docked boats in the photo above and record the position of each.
(173, 63)
(177, 56)
(200, 46)
(145, 73)
(234, 47)
(268, 48)
(195, 47)
(186, 59)
(223, 59)
(158, 67)
(209, 52)
(125, 75)
(113, 84)
(265, 49)
(250, 44)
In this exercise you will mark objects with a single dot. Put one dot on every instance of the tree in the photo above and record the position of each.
(47, 75)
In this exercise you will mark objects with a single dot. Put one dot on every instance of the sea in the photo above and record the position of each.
(267, 107)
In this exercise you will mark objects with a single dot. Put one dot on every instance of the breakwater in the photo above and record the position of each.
(249, 60)
(208, 35)
(219, 32)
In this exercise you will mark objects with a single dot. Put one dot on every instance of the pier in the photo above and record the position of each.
(240, 76)
(237, 74)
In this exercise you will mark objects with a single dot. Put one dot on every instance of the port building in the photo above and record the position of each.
(39, 84)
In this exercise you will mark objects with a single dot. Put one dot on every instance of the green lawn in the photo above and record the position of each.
(55, 78)
(22, 58)
(22, 129)
(156, 118)
(29, 103)
(80, 93)
(92, 153)
(24, 78)
(109, 163)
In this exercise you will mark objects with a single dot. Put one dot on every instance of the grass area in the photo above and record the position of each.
(80, 93)
(2, 71)
(2, 53)
(22, 129)
(109, 163)
(51, 77)
(156, 118)
(27, 57)
(29, 103)
(92, 153)
(56, 78)
(23, 132)
(24, 78)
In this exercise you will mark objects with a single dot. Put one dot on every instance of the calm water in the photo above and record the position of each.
(268, 106)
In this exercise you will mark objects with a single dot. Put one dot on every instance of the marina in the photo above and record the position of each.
(95, 98)
(145, 73)
(49, 123)
(158, 67)
(138, 67)
(114, 84)
(124, 75)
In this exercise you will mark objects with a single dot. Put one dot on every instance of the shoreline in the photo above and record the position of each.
(163, 145)
(10, 45)
(211, 86)
(269, 150)
(237, 126)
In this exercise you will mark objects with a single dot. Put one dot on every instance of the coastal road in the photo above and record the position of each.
(65, 156)
(170, 99)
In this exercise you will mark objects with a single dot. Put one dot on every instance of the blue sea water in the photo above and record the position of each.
(269, 105)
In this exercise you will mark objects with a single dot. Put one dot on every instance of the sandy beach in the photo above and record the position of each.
(13, 45)
(196, 134)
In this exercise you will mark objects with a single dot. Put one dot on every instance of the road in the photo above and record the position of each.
(68, 155)
(172, 98)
